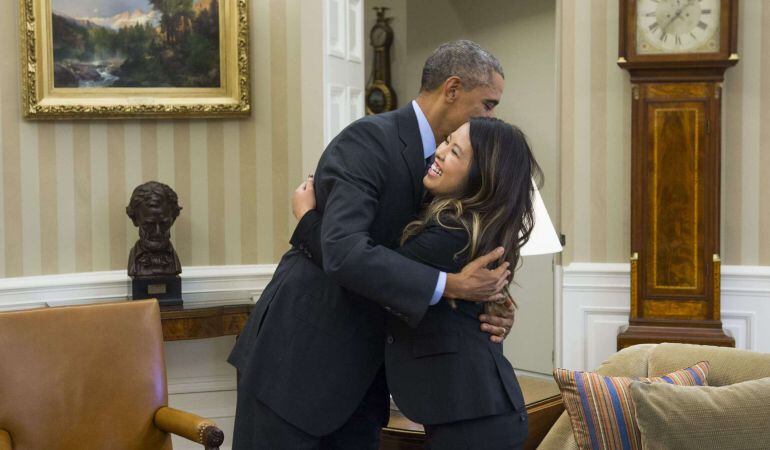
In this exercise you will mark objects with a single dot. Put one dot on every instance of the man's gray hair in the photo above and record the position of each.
(462, 58)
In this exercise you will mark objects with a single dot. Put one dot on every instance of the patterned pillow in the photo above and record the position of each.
(601, 410)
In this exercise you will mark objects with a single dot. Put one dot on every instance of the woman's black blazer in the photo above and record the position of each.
(446, 369)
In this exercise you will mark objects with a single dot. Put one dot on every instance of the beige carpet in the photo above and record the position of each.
(536, 389)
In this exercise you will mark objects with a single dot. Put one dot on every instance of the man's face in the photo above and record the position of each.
(480, 101)
(155, 220)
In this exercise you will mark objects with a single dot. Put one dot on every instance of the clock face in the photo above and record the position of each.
(379, 36)
(677, 26)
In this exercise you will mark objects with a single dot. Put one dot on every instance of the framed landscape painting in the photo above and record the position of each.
(134, 58)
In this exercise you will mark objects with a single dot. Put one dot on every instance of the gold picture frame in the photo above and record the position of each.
(41, 99)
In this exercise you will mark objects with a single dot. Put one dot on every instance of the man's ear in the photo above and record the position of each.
(451, 86)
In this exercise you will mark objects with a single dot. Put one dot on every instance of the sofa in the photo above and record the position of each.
(728, 366)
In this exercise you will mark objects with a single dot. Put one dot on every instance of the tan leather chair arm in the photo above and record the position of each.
(189, 426)
(5, 440)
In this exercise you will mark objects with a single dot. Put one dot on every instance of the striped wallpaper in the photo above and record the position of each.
(65, 185)
(595, 114)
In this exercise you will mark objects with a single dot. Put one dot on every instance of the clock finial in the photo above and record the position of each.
(380, 12)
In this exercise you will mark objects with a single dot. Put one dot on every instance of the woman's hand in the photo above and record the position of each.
(303, 199)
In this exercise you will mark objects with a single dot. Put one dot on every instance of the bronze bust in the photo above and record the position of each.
(153, 208)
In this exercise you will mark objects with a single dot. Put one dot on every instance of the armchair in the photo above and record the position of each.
(90, 377)
(728, 366)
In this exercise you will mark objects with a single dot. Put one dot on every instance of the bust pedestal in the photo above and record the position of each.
(168, 289)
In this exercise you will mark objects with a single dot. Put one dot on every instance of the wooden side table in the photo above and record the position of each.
(200, 323)
(543, 402)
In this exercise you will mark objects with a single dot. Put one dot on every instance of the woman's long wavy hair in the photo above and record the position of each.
(495, 206)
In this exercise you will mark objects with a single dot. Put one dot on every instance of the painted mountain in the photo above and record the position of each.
(121, 20)
(136, 43)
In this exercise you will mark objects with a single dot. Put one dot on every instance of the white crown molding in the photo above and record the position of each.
(202, 286)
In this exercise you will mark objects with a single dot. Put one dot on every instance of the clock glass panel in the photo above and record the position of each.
(376, 101)
(677, 26)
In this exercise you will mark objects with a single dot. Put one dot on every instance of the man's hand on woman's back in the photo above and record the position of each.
(477, 283)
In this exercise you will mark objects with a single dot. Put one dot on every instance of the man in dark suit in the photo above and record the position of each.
(311, 355)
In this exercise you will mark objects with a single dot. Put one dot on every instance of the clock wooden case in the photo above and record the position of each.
(380, 96)
(676, 52)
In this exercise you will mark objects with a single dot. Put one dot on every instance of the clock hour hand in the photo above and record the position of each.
(678, 14)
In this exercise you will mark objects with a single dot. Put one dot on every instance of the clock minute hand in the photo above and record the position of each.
(678, 13)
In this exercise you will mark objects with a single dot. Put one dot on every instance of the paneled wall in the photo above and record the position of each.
(595, 305)
(65, 184)
(595, 109)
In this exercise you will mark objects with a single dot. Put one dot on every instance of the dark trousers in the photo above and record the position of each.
(501, 432)
(257, 427)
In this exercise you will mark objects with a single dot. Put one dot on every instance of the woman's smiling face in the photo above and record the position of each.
(449, 173)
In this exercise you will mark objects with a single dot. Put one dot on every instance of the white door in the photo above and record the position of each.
(343, 62)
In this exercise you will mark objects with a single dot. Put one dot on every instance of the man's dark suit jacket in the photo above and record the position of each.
(315, 339)
(446, 369)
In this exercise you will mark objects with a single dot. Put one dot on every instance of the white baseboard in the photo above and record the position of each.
(595, 305)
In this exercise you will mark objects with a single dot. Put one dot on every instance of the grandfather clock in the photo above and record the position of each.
(676, 52)
(380, 96)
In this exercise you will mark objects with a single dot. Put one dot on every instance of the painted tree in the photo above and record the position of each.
(176, 18)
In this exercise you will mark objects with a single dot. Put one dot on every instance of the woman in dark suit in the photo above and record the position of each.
(446, 374)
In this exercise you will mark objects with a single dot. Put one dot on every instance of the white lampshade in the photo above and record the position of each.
(543, 239)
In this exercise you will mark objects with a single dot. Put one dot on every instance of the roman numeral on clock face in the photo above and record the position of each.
(654, 26)
(702, 25)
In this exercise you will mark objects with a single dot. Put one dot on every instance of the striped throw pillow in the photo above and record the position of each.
(601, 410)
